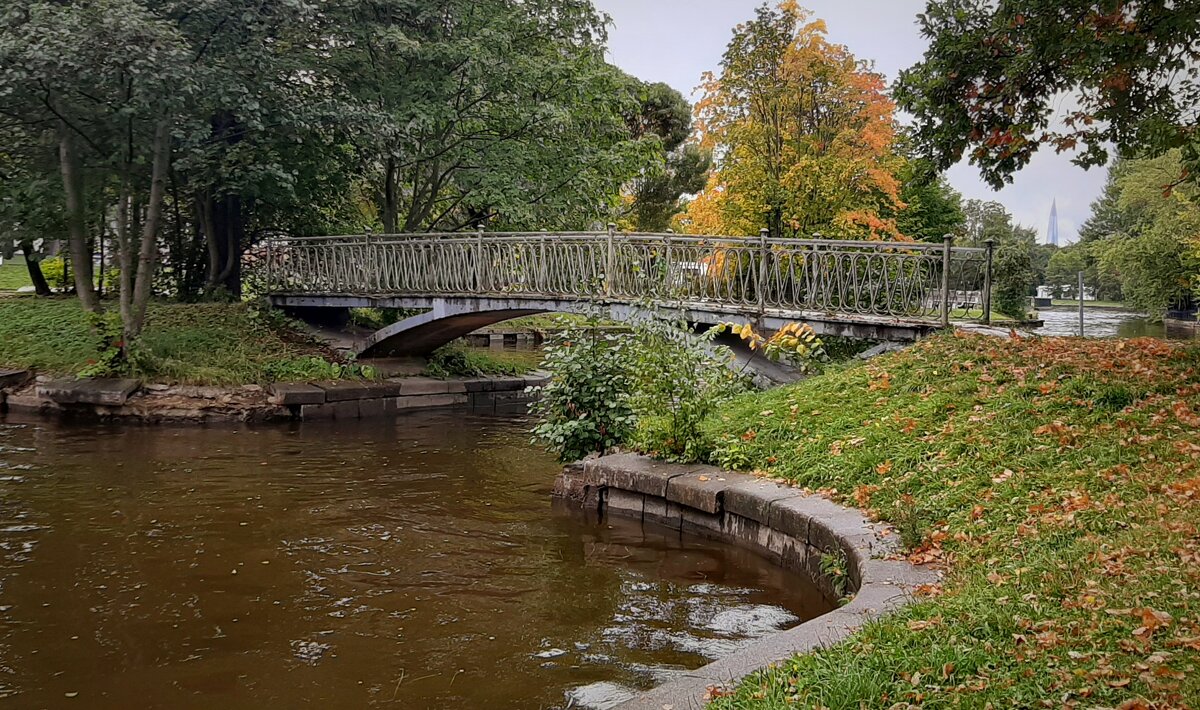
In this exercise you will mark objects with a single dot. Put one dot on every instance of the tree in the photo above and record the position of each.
(489, 111)
(932, 209)
(994, 72)
(653, 198)
(1015, 266)
(1062, 273)
(802, 135)
(1157, 259)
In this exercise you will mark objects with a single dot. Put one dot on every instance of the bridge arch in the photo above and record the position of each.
(445, 319)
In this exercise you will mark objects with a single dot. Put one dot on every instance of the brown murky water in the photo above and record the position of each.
(415, 563)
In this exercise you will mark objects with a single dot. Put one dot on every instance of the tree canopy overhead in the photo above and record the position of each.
(1127, 74)
(182, 132)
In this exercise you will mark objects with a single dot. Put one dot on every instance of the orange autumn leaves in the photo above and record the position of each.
(803, 133)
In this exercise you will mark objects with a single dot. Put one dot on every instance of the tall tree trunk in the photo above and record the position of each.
(390, 198)
(124, 249)
(40, 285)
(148, 254)
(81, 256)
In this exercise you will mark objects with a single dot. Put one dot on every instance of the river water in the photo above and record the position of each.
(409, 563)
(1098, 323)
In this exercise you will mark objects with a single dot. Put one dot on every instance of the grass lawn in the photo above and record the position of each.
(14, 275)
(1055, 479)
(184, 343)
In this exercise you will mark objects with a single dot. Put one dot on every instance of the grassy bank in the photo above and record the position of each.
(184, 343)
(1057, 482)
(14, 275)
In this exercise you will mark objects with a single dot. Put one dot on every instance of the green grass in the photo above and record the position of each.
(14, 275)
(185, 343)
(964, 314)
(458, 360)
(1056, 481)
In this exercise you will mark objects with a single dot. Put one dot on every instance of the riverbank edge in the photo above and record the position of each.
(21, 392)
(798, 530)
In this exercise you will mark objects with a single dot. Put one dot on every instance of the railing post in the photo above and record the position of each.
(479, 265)
(1080, 294)
(947, 244)
(270, 272)
(610, 260)
(989, 246)
(762, 270)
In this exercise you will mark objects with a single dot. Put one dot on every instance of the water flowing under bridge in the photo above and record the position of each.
(465, 281)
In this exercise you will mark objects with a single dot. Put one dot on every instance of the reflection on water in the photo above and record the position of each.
(1099, 323)
(414, 563)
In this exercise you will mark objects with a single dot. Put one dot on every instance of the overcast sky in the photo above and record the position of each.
(674, 41)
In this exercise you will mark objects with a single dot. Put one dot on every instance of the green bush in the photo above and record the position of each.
(457, 359)
(650, 388)
(1014, 277)
(679, 380)
(586, 407)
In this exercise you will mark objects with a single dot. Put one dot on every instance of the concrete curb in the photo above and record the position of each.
(785, 524)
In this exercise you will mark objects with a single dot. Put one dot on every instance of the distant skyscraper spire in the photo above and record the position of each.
(1052, 230)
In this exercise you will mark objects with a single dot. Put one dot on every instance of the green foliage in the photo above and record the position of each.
(1014, 277)
(835, 567)
(657, 198)
(587, 406)
(1156, 269)
(1062, 273)
(933, 208)
(649, 388)
(679, 379)
(989, 82)
(1142, 241)
(457, 359)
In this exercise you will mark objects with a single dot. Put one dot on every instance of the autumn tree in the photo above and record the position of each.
(802, 134)
(994, 73)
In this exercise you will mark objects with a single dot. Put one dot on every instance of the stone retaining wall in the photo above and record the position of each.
(787, 525)
(343, 399)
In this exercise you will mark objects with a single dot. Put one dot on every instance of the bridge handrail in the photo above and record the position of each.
(627, 236)
(876, 278)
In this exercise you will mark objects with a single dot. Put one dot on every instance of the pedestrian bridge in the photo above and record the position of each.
(465, 281)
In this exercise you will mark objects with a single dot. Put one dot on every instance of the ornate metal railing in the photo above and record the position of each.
(748, 275)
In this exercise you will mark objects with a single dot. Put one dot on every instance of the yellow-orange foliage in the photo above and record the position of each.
(803, 134)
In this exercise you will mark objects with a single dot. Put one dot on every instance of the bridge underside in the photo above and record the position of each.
(449, 317)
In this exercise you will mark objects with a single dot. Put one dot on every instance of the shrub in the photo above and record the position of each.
(586, 407)
(679, 379)
(1014, 277)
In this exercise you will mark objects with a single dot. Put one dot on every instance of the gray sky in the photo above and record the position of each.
(674, 41)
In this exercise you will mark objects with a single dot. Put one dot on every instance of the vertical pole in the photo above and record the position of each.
(479, 265)
(1080, 304)
(762, 270)
(610, 260)
(947, 243)
(990, 246)
(270, 258)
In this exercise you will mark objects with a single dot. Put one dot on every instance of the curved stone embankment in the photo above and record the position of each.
(129, 399)
(795, 529)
